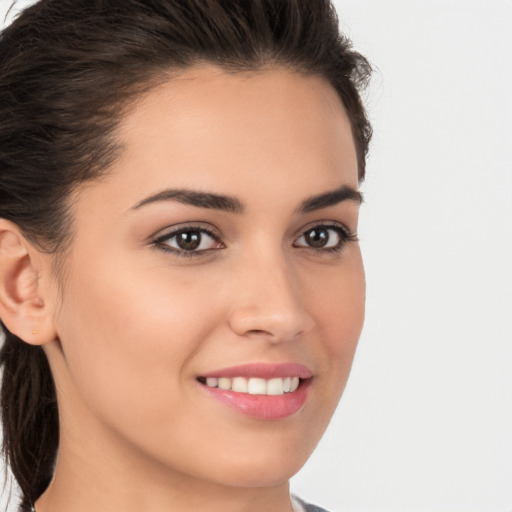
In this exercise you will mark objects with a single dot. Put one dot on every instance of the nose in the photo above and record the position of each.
(268, 301)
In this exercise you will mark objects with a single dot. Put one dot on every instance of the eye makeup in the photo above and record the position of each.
(189, 240)
(196, 240)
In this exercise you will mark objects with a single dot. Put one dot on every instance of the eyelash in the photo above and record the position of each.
(160, 241)
(345, 236)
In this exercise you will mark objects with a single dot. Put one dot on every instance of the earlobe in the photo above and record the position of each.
(24, 308)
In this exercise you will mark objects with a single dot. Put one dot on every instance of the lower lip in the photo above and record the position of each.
(263, 407)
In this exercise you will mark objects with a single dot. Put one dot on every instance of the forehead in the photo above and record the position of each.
(227, 130)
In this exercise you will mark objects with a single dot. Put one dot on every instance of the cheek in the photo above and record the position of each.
(127, 337)
(338, 305)
(338, 302)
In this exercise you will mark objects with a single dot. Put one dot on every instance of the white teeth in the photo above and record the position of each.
(275, 387)
(255, 385)
(239, 385)
(212, 382)
(224, 383)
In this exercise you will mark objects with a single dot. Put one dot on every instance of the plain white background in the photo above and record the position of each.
(425, 424)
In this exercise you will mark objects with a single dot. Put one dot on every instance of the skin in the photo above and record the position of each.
(133, 325)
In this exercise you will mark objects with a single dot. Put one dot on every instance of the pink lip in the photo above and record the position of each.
(263, 407)
(263, 371)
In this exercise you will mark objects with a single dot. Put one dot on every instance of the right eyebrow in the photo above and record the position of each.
(195, 198)
(331, 198)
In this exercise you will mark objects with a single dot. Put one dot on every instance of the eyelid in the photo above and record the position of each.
(157, 240)
(165, 234)
(346, 236)
(327, 224)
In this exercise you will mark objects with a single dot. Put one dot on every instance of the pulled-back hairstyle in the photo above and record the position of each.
(68, 69)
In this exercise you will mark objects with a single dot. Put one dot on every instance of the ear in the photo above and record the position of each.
(26, 305)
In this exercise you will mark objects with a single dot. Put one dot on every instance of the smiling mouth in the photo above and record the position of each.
(253, 385)
(265, 391)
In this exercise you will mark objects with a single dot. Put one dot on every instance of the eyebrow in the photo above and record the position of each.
(199, 199)
(344, 193)
(233, 205)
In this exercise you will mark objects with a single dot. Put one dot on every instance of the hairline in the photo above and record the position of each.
(134, 94)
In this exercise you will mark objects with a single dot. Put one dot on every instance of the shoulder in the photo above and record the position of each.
(307, 507)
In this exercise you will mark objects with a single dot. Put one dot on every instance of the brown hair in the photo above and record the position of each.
(67, 70)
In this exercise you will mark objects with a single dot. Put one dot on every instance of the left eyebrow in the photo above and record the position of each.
(344, 193)
(195, 198)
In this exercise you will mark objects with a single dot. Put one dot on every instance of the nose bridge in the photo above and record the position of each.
(269, 301)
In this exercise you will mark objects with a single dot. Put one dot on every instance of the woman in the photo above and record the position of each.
(181, 287)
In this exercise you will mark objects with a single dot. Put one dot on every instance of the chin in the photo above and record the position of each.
(254, 476)
(258, 466)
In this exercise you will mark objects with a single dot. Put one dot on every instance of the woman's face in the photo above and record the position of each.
(219, 252)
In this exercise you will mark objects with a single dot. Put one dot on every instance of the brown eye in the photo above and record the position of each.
(317, 237)
(188, 241)
(324, 237)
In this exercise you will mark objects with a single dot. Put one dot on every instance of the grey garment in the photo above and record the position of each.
(308, 507)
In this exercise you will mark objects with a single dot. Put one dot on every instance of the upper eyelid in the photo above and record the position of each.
(215, 233)
(171, 231)
(159, 241)
(326, 224)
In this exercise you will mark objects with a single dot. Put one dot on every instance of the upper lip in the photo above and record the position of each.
(263, 371)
